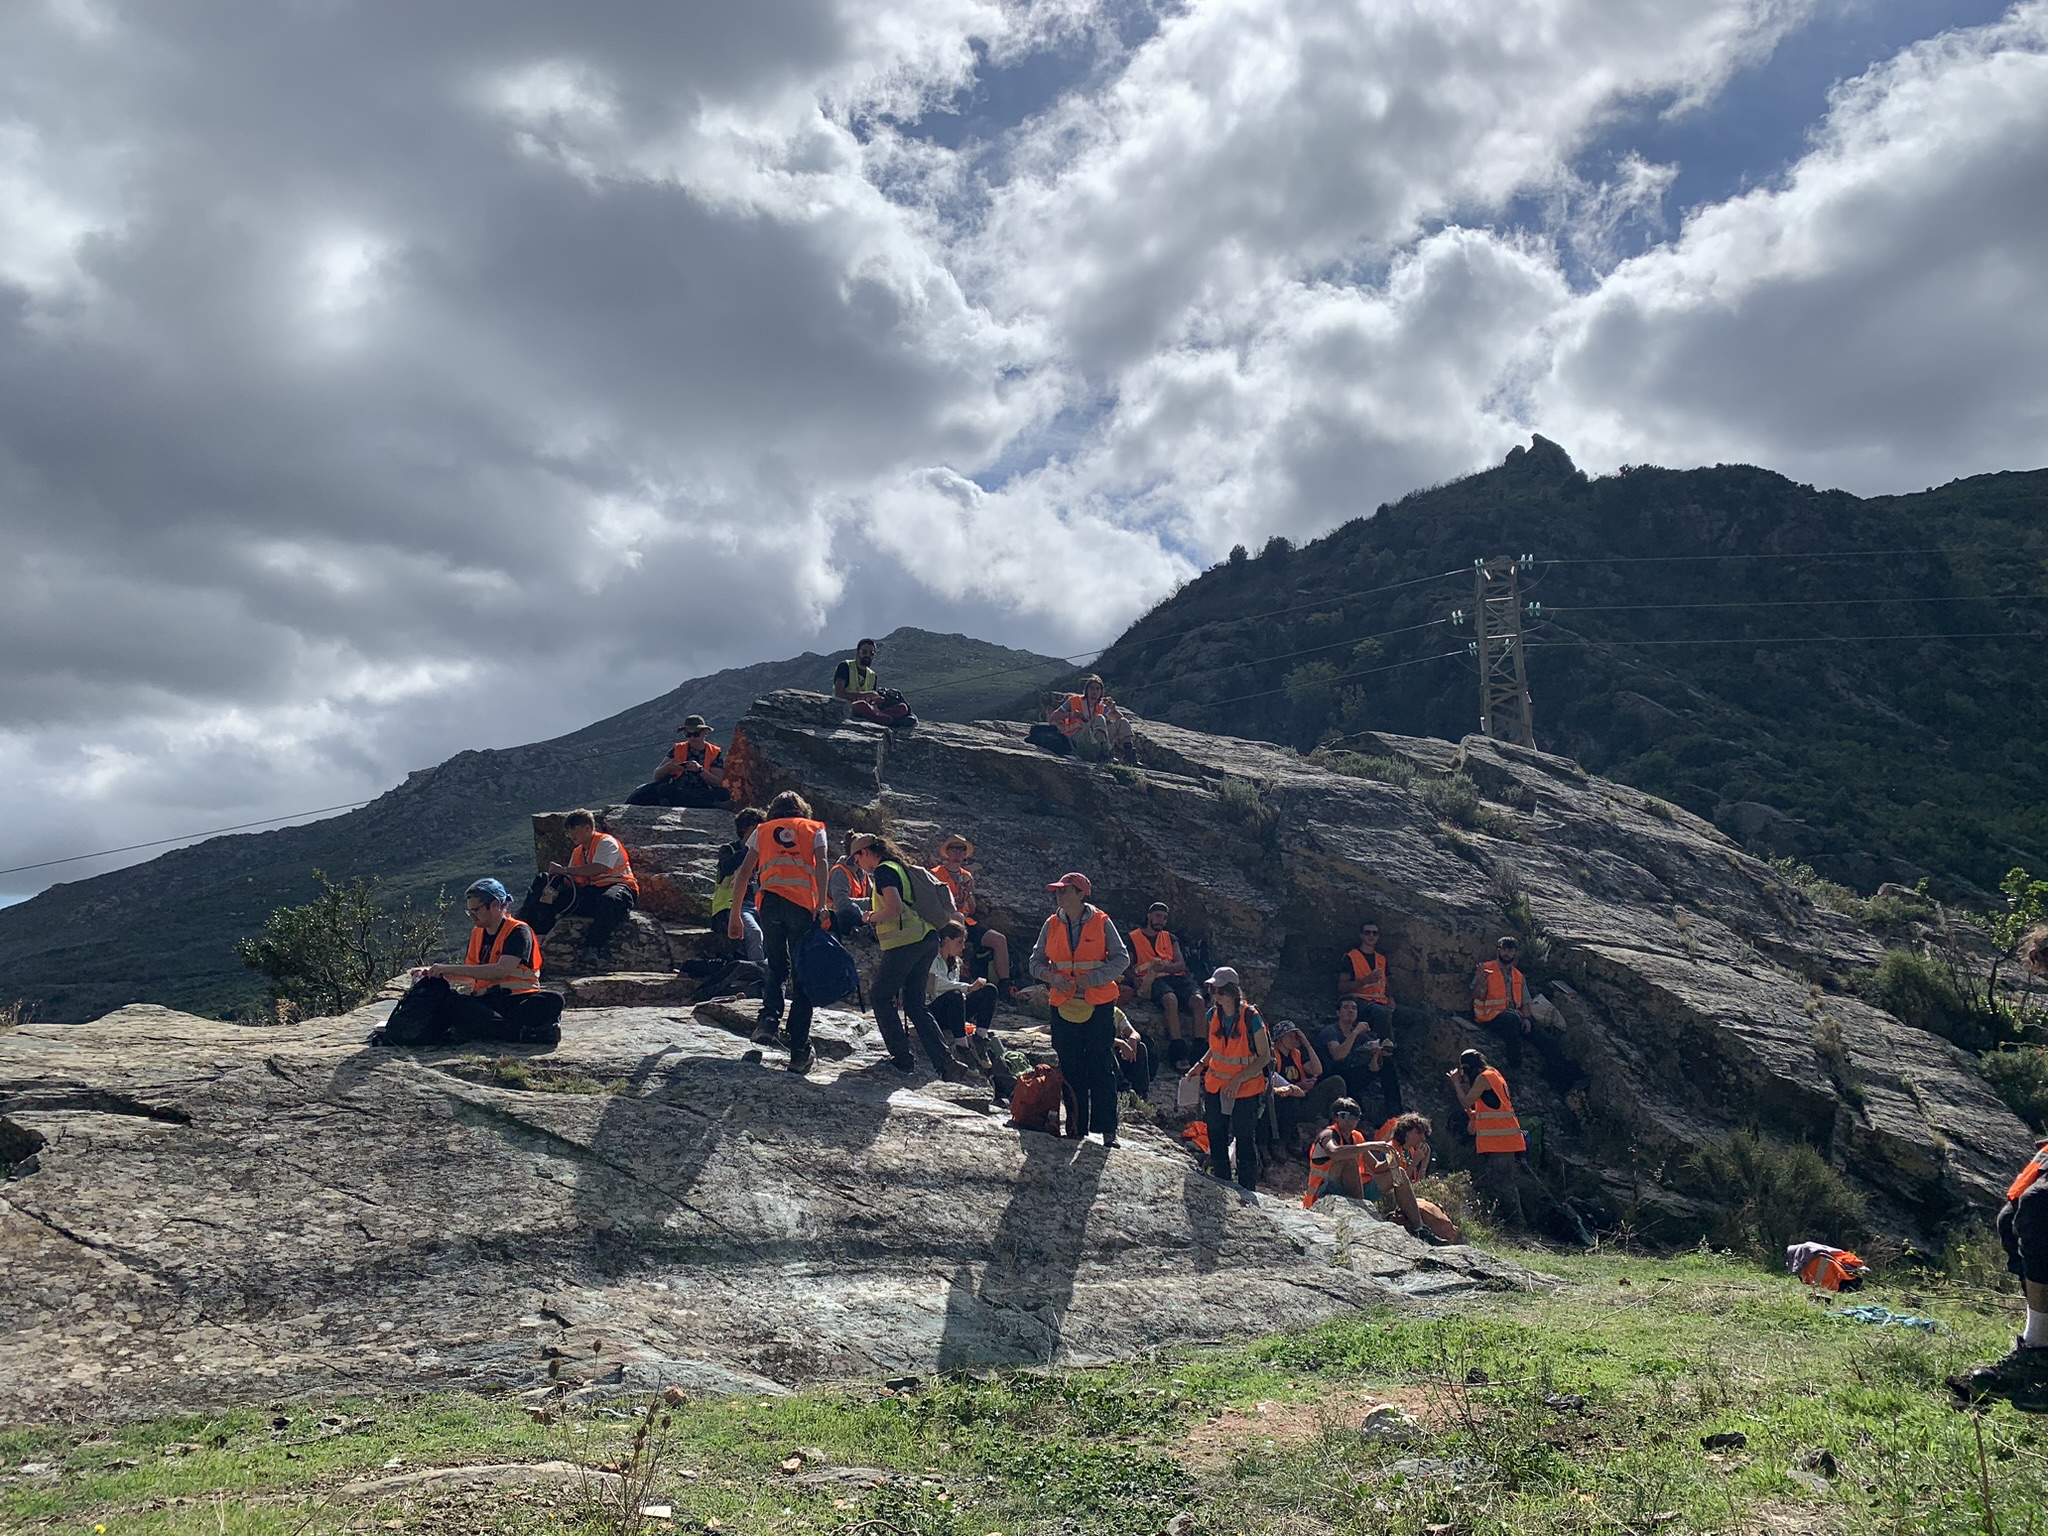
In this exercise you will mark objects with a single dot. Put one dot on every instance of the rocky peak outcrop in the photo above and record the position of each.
(1698, 991)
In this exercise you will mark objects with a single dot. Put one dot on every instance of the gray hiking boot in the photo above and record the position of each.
(2021, 1378)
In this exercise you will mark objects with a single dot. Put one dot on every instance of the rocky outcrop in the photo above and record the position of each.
(1698, 991)
(220, 1212)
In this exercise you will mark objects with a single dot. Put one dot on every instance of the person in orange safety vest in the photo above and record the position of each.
(1496, 1131)
(691, 774)
(597, 882)
(1500, 997)
(1233, 1072)
(494, 994)
(785, 868)
(1080, 957)
(1163, 981)
(1091, 718)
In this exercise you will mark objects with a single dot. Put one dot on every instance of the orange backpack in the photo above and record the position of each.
(1035, 1101)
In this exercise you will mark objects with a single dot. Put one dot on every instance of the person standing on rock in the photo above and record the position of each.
(909, 944)
(1500, 998)
(1080, 957)
(1164, 980)
(952, 872)
(494, 994)
(1233, 1078)
(786, 860)
(2021, 1378)
(1364, 981)
(690, 775)
(1496, 1131)
(598, 879)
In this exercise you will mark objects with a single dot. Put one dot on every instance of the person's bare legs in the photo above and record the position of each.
(998, 947)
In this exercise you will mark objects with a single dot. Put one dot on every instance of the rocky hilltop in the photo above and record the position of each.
(1699, 992)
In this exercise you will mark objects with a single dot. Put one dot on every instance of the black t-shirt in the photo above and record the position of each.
(518, 946)
(885, 878)
(843, 675)
(730, 858)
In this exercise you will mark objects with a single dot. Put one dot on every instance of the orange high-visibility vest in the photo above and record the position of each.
(1501, 992)
(1196, 1134)
(704, 751)
(521, 980)
(1319, 1167)
(962, 900)
(2037, 1165)
(1831, 1271)
(1496, 1130)
(784, 848)
(1233, 1053)
(1074, 715)
(1368, 977)
(1149, 946)
(618, 874)
(1077, 960)
(1291, 1059)
(1386, 1133)
(856, 881)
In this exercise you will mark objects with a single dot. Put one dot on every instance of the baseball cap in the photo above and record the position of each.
(1076, 881)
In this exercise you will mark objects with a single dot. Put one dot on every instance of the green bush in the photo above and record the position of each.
(2020, 1075)
(333, 953)
(1772, 1196)
(1920, 992)
(1453, 799)
(1397, 771)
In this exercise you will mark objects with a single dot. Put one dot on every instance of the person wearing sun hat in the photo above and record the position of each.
(952, 872)
(1080, 957)
(691, 774)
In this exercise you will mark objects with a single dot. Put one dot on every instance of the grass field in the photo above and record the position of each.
(1846, 1428)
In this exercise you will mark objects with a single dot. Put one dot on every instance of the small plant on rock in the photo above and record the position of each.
(1454, 799)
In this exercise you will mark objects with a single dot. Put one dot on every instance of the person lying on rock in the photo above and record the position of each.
(2021, 1377)
(785, 867)
(691, 774)
(1500, 997)
(1080, 956)
(494, 994)
(1233, 1072)
(1364, 980)
(1163, 980)
(597, 883)
(953, 873)
(1496, 1131)
(1091, 725)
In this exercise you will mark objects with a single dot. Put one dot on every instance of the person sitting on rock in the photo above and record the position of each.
(723, 898)
(494, 994)
(786, 857)
(1338, 1160)
(856, 685)
(2021, 1377)
(1233, 1072)
(1495, 1130)
(909, 945)
(1401, 1169)
(1355, 1062)
(1090, 724)
(847, 894)
(690, 775)
(1079, 956)
(952, 872)
(1133, 1056)
(1299, 1068)
(597, 883)
(1364, 979)
(964, 1004)
(1500, 997)
(1163, 980)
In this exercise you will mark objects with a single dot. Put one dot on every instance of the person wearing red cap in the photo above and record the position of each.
(1081, 957)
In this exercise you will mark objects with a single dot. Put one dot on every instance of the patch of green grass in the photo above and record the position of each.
(1662, 1352)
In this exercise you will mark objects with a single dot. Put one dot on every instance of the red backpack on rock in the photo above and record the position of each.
(1035, 1101)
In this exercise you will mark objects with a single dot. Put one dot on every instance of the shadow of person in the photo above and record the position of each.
(1015, 1313)
(1208, 1201)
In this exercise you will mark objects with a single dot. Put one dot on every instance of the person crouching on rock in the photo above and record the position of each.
(1080, 957)
(495, 994)
(597, 883)
(1233, 1077)
(691, 774)
(909, 945)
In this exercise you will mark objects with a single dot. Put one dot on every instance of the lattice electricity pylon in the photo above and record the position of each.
(1505, 710)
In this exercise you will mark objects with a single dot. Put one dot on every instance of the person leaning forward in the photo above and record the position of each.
(1495, 1129)
(785, 862)
(597, 883)
(691, 774)
(494, 994)
(909, 944)
(1080, 957)
(1233, 1077)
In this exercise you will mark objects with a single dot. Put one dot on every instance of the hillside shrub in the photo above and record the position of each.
(1773, 1195)
(1244, 802)
(333, 953)
(2019, 1073)
(1396, 771)
(1453, 799)
(1921, 992)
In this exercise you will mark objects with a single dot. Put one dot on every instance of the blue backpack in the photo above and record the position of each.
(825, 970)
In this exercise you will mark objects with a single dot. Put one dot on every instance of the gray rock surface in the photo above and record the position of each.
(1699, 992)
(224, 1211)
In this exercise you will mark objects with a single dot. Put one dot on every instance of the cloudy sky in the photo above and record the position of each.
(379, 379)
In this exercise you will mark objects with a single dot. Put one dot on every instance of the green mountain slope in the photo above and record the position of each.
(1893, 757)
(164, 931)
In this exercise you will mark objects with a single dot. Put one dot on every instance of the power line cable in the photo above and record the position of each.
(1993, 634)
(1833, 554)
(186, 837)
(1791, 602)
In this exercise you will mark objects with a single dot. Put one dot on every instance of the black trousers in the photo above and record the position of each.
(1087, 1054)
(681, 789)
(783, 925)
(433, 1014)
(899, 988)
(956, 1010)
(1510, 1027)
(1137, 1074)
(606, 906)
(2023, 1232)
(1240, 1124)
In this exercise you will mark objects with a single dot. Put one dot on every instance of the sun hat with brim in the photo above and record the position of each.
(693, 723)
(957, 841)
(1225, 977)
(1073, 881)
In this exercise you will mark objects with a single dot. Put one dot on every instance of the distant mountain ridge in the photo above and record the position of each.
(1885, 758)
(164, 931)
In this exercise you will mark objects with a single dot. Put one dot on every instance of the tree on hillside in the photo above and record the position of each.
(333, 953)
